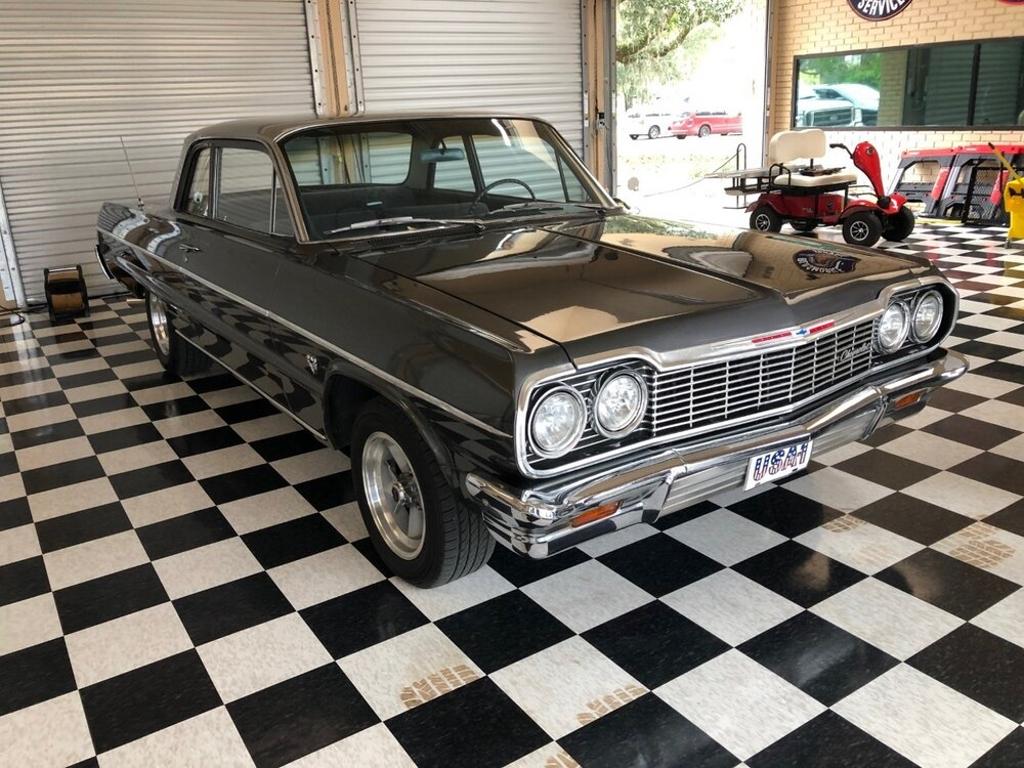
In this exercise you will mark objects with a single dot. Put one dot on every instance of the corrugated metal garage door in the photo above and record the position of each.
(76, 76)
(516, 56)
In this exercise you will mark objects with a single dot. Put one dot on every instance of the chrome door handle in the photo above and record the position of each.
(188, 248)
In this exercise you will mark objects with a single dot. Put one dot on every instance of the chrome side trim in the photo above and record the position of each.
(394, 381)
(103, 265)
(733, 349)
(316, 432)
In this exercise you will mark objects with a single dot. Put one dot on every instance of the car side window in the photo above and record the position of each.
(245, 193)
(198, 202)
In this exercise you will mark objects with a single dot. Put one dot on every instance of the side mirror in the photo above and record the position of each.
(624, 205)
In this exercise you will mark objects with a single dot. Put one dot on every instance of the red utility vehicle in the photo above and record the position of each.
(810, 195)
(705, 123)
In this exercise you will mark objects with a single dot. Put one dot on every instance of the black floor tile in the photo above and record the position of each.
(328, 491)
(146, 381)
(1008, 753)
(86, 379)
(659, 564)
(217, 380)
(77, 527)
(241, 483)
(124, 437)
(148, 479)
(34, 674)
(799, 573)
(986, 349)
(503, 630)
(194, 443)
(8, 463)
(1010, 518)
(362, 618)
(684, 515)
(23, 579)
(129, 358)
(246, 411)
(285, 542)
(473, 726)
(1000, 369)
(991, 469)
(108, 597)
(521, 570)
(147, 699)
(655, 643)
(915, 519)
(231, 607)
(20, 405)
(818, 657)
(645, 732)
(785, 512)
(828, 741)
(886, 469)
(285, 446)
(168, 409)
(60, 475)
(50, 433)
(14, 512)
(980, 665)
(24, 377)
(292, 719)
(948, 583)
(103, 405)
(890, 432)
(973, 432)
(184, 532)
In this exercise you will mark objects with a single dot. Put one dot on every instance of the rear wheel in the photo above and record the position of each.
(765, 219)
(634, 136)
(421, 528)
(899, 225)
(862, 228)
(653, 132)
(705, 130)
(174, 353)
(680, 136)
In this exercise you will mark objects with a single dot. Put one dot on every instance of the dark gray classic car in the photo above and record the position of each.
(503, 351)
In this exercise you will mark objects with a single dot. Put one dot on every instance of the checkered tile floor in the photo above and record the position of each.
(184, 578)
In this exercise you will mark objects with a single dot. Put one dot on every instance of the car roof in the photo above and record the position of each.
(273, 128)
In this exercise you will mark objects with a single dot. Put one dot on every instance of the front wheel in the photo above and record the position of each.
(653, 132)
(765, 219)
(174, 353)
(899, 226)
(680, 136)
(862, 228)
(634, 136)
(421, 528)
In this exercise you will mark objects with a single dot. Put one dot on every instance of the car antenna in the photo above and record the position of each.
(131, 173)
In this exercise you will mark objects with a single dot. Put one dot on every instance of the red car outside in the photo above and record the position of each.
(705, 123)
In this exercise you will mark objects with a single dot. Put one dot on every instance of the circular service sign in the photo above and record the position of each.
(1012, 2)
(824, 263)
(878, 10)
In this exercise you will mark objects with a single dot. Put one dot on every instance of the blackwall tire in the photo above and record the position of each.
(705, 131)
(765, 219)
(653, 132)
(452, 541)
(174, 353)
(862, 228)
(898, 226)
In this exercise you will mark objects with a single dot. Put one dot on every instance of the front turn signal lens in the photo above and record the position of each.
(595, 513)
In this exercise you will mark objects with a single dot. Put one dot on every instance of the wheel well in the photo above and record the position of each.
(342, 401)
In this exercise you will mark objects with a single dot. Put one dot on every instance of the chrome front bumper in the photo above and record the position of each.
(539, 521)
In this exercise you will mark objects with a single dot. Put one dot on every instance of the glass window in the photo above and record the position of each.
(454, 173)
(282, 220)
(328, 158)
(528, 159)
(246, 188)
(198, 202)
(950, 85)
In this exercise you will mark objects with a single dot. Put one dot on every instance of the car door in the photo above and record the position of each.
(230, 248)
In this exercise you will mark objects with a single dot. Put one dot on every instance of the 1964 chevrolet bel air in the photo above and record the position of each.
(502, 350)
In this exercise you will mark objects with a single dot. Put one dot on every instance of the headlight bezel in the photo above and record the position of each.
(904, 333)
(933, 332)
(577, 433)
(637, 418)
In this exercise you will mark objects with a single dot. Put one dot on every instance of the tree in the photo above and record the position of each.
(650, 32)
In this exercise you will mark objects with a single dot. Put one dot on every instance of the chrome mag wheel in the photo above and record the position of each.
(160, 325)
(393, 495)
(859, 231)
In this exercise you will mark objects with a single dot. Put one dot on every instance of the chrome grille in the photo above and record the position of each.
(703, 397)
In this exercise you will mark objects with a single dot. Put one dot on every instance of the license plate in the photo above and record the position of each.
(777, 463)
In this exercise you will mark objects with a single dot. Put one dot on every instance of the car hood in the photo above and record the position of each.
(632, 283)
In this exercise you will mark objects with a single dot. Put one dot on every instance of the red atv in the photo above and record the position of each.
(809, 195)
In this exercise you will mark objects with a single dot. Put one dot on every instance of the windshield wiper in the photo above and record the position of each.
(535, 207)
(401, 221)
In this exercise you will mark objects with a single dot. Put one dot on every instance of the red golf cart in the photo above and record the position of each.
(808, 196)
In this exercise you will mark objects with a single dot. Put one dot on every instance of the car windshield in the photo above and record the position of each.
(393, 177)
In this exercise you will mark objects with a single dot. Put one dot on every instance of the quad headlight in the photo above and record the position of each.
(893, 327)
(558, 420)
(927, 316)
(620, 404)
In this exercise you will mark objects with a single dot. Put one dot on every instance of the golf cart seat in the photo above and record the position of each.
(788, 147)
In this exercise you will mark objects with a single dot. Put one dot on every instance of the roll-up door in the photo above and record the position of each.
(76, 77)
(514, 57)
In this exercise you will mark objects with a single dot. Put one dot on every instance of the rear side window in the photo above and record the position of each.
(198, 202)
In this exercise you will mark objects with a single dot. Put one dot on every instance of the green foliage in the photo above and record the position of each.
(651, 32)
(863, 68)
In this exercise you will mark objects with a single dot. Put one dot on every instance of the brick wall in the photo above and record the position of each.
(822, 26)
